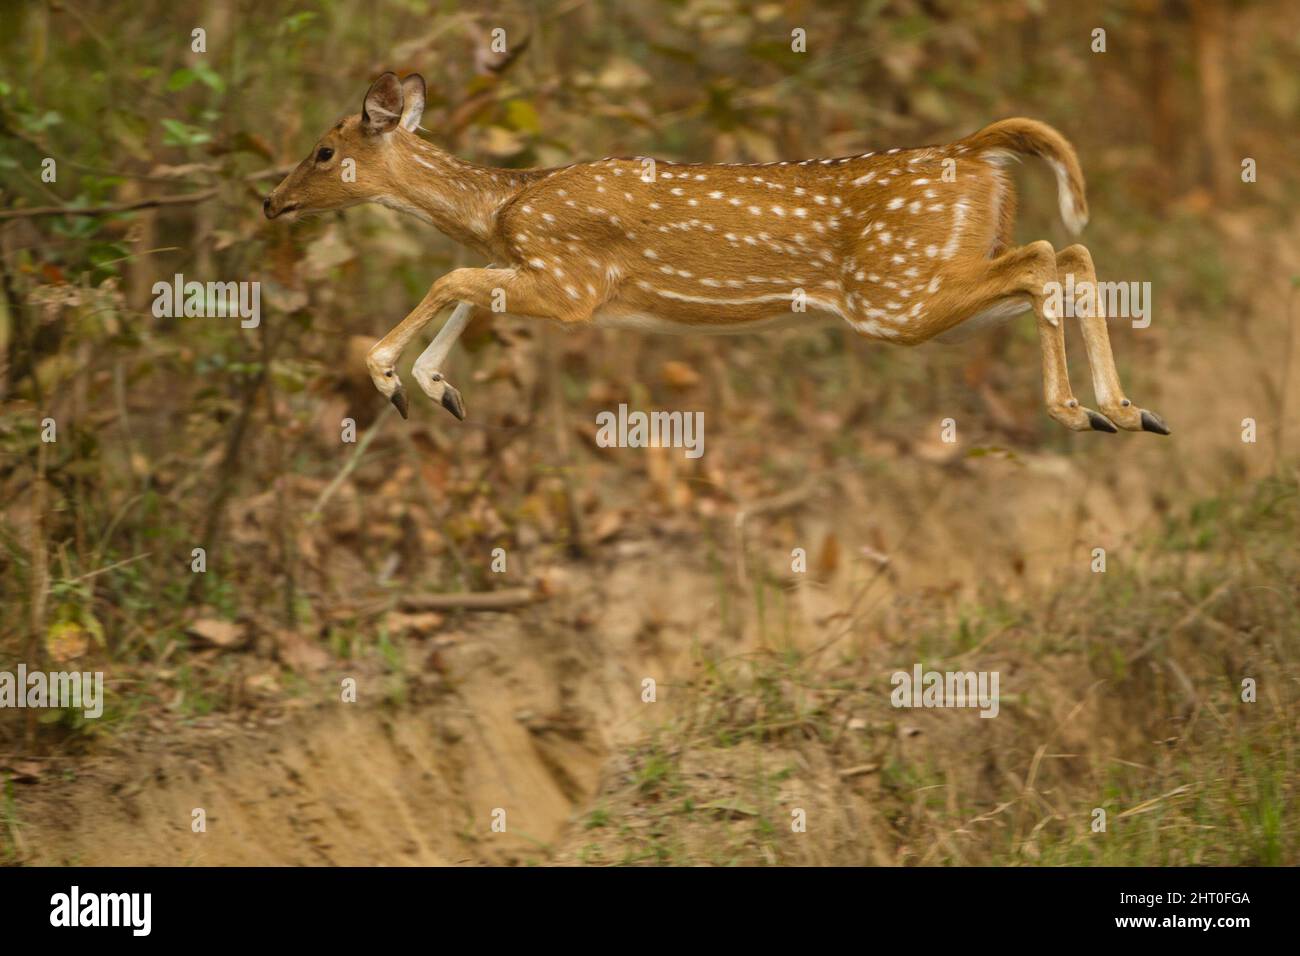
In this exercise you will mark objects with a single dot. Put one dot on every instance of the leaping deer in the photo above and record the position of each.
(904, 245)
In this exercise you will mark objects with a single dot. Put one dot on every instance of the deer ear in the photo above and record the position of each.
(413, 102)
(382, 107)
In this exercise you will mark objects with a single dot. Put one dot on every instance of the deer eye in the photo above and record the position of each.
(323, 154)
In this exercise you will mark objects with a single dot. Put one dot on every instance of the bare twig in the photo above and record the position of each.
(40, 573)
(776, 503)
(1279, 426)
(1194, 613)
(149, 202)
(562, 450)
(272, 172)
(227, 471)
(1148, 805)
(355, 459)
(22, 349)
(112, 567)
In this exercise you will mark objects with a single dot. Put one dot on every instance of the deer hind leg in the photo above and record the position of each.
(1061, 403)
(1019, 275)
(1077, 260)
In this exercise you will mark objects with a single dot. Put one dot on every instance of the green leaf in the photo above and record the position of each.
(209, 77)
(38, 124)
(183, 134)
(522, 115)
(180, 79)
(130, 132)
(296, 22)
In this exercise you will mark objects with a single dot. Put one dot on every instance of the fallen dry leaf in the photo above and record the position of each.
(415, 624)
(300, 653)
(679, 375)
(23, 771)
(218, 632)
(66, 641)
(829, 559)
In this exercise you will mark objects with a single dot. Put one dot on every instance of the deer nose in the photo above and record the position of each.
(266, 207)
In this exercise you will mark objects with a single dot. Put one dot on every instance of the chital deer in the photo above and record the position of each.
(904, 245)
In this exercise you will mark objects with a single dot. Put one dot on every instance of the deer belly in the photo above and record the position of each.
(706, 321)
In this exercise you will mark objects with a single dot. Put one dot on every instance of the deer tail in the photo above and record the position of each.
(1032, 138)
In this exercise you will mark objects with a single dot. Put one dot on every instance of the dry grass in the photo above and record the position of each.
(1121, 692)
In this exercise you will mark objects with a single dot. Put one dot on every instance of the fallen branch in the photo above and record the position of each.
(858, 771)
(470, 600)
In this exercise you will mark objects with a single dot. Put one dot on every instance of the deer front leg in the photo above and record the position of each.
(525, 293)
(427, 368)
(468, 285)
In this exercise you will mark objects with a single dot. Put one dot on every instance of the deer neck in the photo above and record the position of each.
(460, 199)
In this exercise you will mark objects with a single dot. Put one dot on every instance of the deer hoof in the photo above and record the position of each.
(1151, 423)
(398, 398)
(452, 401)
(1100, 423)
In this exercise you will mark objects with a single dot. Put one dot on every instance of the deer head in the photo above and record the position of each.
(391, 109)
